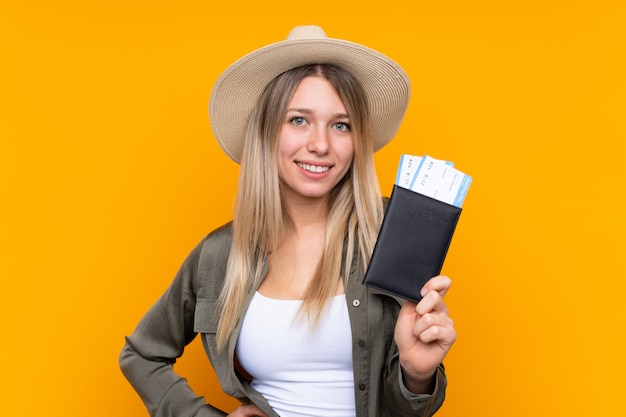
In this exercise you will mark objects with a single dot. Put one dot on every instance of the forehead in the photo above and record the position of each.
(316, 92)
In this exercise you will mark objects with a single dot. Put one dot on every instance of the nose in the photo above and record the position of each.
(318, 141)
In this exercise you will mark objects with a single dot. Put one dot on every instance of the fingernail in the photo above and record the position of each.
(424, 291)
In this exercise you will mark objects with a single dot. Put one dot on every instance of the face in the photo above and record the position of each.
(315, 144)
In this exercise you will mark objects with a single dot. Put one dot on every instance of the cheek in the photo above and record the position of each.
(287, 142)
(284, 158)
(346, 151)
(281, 164)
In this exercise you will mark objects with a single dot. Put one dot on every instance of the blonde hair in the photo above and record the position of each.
(260, 222)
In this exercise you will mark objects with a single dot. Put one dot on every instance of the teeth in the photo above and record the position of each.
(313, 168)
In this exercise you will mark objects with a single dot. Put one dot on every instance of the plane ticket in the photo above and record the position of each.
(434, 178)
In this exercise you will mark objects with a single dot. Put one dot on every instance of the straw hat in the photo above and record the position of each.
(238, 88)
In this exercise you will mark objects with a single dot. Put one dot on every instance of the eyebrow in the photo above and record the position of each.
(309, 111)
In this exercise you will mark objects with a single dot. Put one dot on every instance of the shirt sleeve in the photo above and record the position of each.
(405, 403)
(159, 339)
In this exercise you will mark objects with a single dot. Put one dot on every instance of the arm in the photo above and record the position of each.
(415, 381)
(150, 352)
(424, 334)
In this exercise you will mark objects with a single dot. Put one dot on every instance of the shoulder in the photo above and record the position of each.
(210, 258)
(217, 244)
(210, 255)
(221, 235)
(214, 242)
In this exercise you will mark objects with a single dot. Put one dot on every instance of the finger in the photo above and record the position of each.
(408, 308)
(431, 320)
(432, 302)
(440, 283)
(251, 410)
(443, 335)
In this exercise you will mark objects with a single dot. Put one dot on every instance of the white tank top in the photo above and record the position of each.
(301, 372)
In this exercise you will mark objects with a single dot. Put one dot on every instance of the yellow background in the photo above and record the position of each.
(110, 175)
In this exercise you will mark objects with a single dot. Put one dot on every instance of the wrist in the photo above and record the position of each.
(421, 386)
(418, 383)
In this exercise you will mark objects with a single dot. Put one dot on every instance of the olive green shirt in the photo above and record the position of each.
(189, 307)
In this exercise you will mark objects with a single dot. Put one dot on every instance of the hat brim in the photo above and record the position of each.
(237, 90)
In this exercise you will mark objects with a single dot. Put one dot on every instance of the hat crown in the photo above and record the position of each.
(306, 32)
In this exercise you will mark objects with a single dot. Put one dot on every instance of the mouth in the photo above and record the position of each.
(316, 169)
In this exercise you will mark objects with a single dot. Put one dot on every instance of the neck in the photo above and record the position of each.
(295, 261)
(305, 214)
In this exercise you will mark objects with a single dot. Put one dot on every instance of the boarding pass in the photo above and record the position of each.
(434, 178)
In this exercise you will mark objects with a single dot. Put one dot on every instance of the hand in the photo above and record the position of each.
(247, 410)
(424, 334)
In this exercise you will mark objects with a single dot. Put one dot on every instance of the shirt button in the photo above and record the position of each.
(362, 387)
(356, 303)
(361, 343)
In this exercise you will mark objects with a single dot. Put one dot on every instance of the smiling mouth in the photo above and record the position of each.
(317, 169)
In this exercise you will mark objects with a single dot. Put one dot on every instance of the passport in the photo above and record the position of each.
(419, 223)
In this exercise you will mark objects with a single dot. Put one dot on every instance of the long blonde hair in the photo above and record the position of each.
(260, 222)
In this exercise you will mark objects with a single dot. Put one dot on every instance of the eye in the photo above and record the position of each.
(297, 120)
(342, 126)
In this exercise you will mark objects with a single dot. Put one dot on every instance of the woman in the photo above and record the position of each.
(277, 294)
